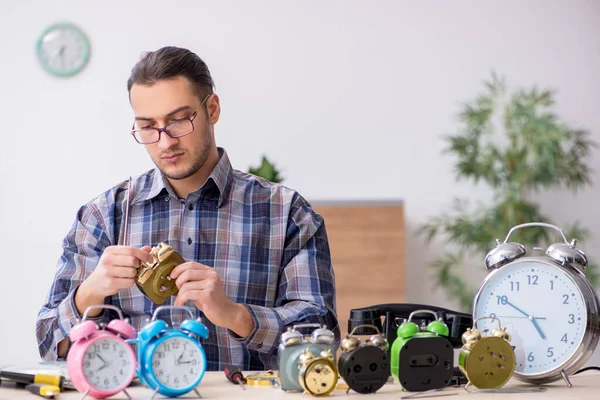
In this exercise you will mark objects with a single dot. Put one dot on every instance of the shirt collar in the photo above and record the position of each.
(221, 176)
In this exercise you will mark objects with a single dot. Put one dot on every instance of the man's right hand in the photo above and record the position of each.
(116, 270)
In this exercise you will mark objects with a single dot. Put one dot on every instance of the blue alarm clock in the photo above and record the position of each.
(170, 360)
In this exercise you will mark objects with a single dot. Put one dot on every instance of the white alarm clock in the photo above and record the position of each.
(545, 302)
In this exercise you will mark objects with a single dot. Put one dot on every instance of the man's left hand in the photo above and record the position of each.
(202, 285)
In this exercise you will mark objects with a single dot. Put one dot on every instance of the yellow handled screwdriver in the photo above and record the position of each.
(19, 377)
(44, 390)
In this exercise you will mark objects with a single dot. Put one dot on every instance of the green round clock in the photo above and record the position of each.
(63, 49)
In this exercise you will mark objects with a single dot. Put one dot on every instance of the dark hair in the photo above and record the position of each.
(170, 62)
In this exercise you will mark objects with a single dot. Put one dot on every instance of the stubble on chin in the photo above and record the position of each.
(177, 173)
(185, 170)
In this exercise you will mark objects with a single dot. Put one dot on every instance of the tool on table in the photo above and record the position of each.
(439, 392)
(535, 389)
(19, 377)
(44, 390)
(235, 376)
(268, 378)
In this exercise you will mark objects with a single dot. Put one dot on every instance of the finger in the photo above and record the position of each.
(178, 270)
(132, 251)
(197, 285)
(118, 271)
(186, 295)
(141, 255)
(192, 275)
(146, 248)
(122, 260)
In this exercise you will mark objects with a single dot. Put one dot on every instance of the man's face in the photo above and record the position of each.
(168, 101)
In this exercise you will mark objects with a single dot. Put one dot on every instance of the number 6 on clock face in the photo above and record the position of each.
(546, 304)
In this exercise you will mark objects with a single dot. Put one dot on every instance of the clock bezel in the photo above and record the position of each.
(591, 333)
(149, 368)
(306, 370)
(68, 72)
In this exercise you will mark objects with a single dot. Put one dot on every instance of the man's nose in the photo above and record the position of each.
(165, 141)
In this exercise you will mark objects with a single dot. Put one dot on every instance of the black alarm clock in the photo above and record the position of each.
(364, 365)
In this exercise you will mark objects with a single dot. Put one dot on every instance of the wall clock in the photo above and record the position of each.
(63, 49)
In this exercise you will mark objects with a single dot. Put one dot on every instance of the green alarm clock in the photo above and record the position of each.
(63, 49)
(422, 357)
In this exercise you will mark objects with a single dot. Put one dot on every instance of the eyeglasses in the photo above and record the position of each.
(175, 129)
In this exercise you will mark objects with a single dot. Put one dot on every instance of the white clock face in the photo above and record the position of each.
(177, 362)
(542, 309)
(108, 364)
(63, 50)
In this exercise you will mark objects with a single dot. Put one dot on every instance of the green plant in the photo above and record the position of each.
(267, 170)
(518, 146)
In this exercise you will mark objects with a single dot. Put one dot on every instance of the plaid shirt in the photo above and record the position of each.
(265, 241)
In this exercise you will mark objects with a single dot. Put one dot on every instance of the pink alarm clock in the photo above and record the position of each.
(100, 363)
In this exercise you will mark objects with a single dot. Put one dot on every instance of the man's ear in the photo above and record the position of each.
(213, 106)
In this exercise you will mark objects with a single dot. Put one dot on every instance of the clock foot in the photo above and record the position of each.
(566, 378)
(85, 394)
(154, 394)
(127, 394)
(198, 393)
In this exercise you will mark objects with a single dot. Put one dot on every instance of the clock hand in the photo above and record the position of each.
(517, 316)
(530, 317)
(517, 308)
(104, 363)
(61, 56)
(537, 327)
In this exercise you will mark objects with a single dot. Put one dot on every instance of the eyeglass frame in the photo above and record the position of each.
(164, 129)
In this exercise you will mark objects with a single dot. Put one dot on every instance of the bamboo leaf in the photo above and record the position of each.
(530, 150)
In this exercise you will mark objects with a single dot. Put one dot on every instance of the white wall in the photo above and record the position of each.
(349, 98)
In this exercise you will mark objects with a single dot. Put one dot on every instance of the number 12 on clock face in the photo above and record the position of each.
(542, 308)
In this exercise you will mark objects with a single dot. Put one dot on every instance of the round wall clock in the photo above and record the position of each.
(63, 49)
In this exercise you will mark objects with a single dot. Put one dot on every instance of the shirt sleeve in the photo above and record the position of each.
(306, 292)
(81, 252)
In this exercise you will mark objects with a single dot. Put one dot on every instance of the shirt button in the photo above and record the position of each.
(189, 240)
(191, 207)
(167, 198)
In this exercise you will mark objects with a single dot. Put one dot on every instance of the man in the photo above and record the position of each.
(257, 255)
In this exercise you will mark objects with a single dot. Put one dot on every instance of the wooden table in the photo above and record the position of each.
(214, 386)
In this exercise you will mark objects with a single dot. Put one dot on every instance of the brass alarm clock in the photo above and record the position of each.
(154, 279)
(486, 361)
(307, 363)
(318, 374)
(545, 302)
